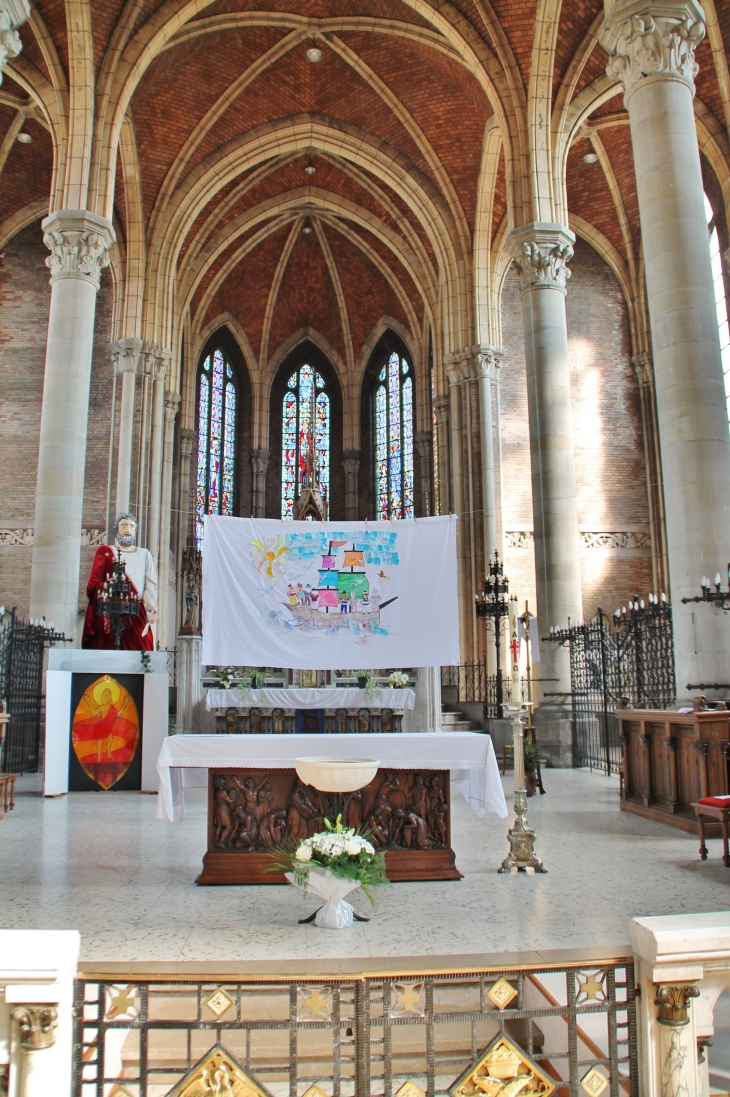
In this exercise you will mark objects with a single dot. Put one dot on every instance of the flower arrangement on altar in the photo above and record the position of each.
(397, 679)
(332, 863)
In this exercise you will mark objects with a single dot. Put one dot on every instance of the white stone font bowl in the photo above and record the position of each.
(336, 774)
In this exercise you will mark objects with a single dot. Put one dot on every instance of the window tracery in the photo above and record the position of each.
(216, 440)
(305, 421)
(393, 417)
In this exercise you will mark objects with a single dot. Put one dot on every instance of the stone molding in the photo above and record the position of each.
(650, 39)
(79, 244)
(37, 1024)
(616, 539)
(125, 354)
(13, 13)
(90, 538)
(540, 253)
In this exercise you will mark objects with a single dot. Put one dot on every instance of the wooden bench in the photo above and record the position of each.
(7, 792)
(714, 811)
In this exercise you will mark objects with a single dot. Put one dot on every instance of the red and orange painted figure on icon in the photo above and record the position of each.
(105, 731)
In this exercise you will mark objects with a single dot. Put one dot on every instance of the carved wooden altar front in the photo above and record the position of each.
(252, 811)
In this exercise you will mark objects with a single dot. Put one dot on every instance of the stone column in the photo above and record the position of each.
(159, 372)
(13, 13)
(466, 610)
(187, 441)
(426, 715)
(166, 629)
(541, 251)
(653, 45)
(259, 465)
(125, 355)
(424, 446)
(488, 362)
(79, 243)
(351, 465)
(441, 414)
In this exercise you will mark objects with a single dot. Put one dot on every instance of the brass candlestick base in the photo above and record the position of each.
(521, 856)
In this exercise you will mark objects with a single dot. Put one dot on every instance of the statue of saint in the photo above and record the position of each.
(142, 574)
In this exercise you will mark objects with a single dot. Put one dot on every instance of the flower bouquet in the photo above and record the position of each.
(398, 680)
(333, 863)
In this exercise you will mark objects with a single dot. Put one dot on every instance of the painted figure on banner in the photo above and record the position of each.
(142, 574)
(105, 731)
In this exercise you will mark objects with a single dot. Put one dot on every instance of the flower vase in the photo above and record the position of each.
(335, 912)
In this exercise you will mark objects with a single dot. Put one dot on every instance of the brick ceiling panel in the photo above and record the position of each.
(120, 203)
(518, 24)
(595, 66)
(617, 143)
(27, 174)
(217, 200)
(409, 216)
(708, 89)
(294, 86)
(367, 293)
(614, 105)
(322, 9)
(589, 195)
(104, 18)
(449, 106)
(387, 256)
(576, 17)
(179, 88)
(307, 297)
(53, 14)
(221, 260)
(246, 290)
(499, 204)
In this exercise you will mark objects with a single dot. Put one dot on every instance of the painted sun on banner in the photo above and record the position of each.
(329, 595)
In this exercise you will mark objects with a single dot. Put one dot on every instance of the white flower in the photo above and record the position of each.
(353, 847)
(304, 853)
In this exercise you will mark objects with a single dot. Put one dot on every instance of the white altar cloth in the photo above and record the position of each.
(184, 761)
(309, 698)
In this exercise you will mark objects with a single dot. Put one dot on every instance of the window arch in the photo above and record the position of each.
(720, 300)
(217, 406)
(305, 420)
(393, 419)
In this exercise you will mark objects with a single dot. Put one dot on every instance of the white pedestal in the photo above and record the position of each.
(61, 665)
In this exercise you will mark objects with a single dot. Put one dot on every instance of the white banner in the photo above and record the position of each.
(330, 595)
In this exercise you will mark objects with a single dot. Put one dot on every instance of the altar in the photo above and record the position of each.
(256, 801)
(320, 711)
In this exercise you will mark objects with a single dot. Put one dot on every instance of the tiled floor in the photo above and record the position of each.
(105, 865)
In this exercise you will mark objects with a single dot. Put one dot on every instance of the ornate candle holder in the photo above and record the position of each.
(492, 604)
(521, 856)
(116, 601)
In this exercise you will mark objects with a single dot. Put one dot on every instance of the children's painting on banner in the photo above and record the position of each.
(328, 595)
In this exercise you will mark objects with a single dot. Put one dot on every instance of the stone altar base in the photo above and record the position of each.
(251, 812)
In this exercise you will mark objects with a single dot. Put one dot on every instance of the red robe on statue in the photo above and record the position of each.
(98, 632)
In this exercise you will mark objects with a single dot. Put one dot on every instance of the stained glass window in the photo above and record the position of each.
(216, 440)
(305, 422)
(393, 406)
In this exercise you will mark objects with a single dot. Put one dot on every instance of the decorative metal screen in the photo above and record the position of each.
(473, 684)
(360, 1037)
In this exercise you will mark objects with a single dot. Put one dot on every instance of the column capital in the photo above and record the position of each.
(172, 403)
(642, 363)
(652, 38)
(13, 13)
(259, 461)
(79, 243)
(488, 361)
(125, 354)
(187, 439)
(673, 1004)
(351, 460)
(424, 442)
(441, 409)
(38, 1024)
(541, 252)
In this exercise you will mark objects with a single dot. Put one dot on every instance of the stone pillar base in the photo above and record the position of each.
(190, 700)
(554, 734)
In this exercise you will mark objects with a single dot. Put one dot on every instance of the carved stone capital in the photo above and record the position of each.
(540, 253)
(187, 441)
(424, 443)
(642, 363)
(441, 410)
(489, 361)
(351, 461)
(13, 13)
(125, 354)
(79, 244)
(160, 363)
(172, 403)
(259, 461)
(454, 370)
(38, 1024)
(673, 1003)
(650, 38)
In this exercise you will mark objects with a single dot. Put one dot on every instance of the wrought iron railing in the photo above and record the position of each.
(22, 644)
(573, 1026)
(624, 662)
(474, 685)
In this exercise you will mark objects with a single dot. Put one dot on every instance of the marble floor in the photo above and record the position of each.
(103, 864)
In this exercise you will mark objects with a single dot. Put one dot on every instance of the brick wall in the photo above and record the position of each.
(24, 304)
(612, 494)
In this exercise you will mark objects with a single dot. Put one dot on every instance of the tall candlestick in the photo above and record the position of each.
(514, 647)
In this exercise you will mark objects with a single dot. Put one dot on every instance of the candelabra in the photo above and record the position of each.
(719, 596)
(116, 601)
(521, 838)
(492, 604)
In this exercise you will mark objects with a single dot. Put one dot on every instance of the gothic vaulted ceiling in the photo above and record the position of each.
(246, 180)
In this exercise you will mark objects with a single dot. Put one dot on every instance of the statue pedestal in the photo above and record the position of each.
(190, 696)
(63, 666)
